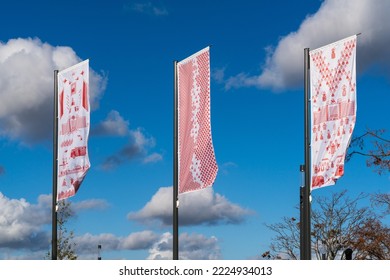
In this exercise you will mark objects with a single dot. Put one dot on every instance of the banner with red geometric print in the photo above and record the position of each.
(73, 128)
(197, 166)
(333, 109)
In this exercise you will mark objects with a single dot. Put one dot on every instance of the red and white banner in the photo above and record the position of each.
(197, 167)
(73, 128)
(333, 109)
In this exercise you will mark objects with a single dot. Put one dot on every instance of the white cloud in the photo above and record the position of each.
(155, 157)
(26, 87)
(113, 125)
(21, 223)
(138, 240)
(24, 235)
(227, 167)
(86, 245)
(192, 247)
(88, 204)
(333, 21)
(218, 74)
(146, 8)
(201, 207)
(138, 147)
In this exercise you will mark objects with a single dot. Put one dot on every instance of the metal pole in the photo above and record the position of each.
(99, 254)
(306, 222)
(175, 222)
(301, 218)
(55, 171)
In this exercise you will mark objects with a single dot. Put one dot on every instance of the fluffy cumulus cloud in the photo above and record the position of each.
(22, 223)
(334, 20)
(137, 147)
(97, 204)
(26, 87)
(87, 244)
(192, 247)
(24, 226)
(202, 207)
(113, 125)
(25, 234)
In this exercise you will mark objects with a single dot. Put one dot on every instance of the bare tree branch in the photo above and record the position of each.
(338, 223)
(379, 156)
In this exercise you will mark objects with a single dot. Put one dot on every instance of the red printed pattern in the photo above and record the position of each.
(333, 109)
(73, 129)
(197, 164)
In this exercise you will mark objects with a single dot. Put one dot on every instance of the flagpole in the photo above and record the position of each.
(305, 224)
(55, 170)
(175, 222)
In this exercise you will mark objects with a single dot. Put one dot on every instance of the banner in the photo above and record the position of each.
(333, 109)
(73, 128)
(197, 167)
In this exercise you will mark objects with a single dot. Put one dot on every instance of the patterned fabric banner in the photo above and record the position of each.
(333, 109)
(73, 128)
(197, 167)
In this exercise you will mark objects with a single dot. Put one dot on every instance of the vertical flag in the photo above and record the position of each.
(197, 167)
(73, 128)
(333, 109)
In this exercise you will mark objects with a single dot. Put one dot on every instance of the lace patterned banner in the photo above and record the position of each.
(197, 165)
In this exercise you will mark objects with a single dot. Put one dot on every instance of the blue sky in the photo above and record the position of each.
(256, 113)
